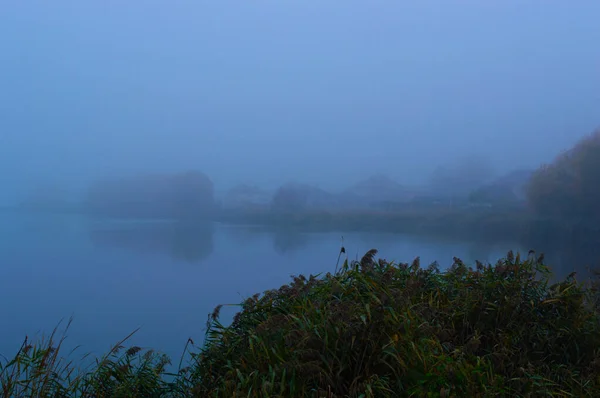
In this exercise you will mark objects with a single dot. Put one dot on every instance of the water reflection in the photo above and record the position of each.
(482, 251)
(286, 241)
(562, 257)
(189, 243)
(243, 235)
(283, 240)
(193, 243)
(582, 257)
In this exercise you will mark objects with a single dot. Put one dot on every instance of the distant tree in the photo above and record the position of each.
(463, 176)
(493, 194)
(508, 189)
(246, 196)
(570, 185)
(192, 194)
(378, 188)
(290, 198)
(181, 196)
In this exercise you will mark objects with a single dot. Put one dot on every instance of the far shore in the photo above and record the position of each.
(477, 222)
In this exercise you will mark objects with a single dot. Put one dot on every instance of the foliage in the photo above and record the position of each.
(378, 329)
(290, 198)
(371, 329)
(39, 370)
(181, 196)
(568, 187)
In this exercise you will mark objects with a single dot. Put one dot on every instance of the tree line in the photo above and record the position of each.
(569, 186)
(566, 188)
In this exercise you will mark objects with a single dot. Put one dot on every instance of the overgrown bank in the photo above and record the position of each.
(372, 328)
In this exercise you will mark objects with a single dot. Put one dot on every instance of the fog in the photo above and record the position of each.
(267, 92)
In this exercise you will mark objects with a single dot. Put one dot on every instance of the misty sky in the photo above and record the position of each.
(323, 92)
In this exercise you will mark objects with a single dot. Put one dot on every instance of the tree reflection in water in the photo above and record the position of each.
(287, 241)
(184, 242)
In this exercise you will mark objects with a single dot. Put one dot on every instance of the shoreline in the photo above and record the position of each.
(508, 223)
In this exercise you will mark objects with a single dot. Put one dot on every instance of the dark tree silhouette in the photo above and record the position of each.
(290, 198)
(181, 196)
(569, 187)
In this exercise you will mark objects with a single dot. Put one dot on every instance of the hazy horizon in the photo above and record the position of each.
(267, 92)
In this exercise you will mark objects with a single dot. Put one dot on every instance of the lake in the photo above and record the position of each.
(115, 276)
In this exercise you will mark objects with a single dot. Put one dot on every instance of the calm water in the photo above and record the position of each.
(115, 276)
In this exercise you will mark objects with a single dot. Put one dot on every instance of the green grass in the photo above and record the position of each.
(370, 329)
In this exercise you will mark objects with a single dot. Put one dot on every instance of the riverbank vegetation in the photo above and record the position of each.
(553, 204)
(371, 328)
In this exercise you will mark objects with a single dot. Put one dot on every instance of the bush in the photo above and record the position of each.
(382, 330)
